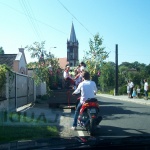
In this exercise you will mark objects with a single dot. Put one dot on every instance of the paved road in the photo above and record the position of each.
(121, 118)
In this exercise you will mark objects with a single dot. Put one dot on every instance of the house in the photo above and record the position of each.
(20, 90)
(17, 62)
(132, 70)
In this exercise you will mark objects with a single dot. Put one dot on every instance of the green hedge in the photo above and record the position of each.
(122, 90)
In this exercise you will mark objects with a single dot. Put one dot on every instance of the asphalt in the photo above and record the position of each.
(62, 118)
(125, 98)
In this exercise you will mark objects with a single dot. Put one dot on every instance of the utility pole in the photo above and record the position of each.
(116, 71)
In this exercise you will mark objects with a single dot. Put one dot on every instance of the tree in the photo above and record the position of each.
(123, 74)
(126, 64)
(107, 77)
(3, 70)
(1, 50)
(141, 72)
(94, 58)
(41, 69)
(136, 65)
(123, 69)
(147, 70)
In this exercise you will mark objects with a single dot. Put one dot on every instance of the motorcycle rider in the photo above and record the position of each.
(88, 89)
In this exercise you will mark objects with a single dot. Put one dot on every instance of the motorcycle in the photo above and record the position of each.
(89, 115)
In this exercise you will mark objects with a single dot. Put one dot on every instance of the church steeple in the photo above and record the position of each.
(72, 48)
(72, 34)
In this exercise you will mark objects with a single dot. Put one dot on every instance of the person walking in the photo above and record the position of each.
(88, 89)
(131, 88)
(138, 90)
(146, 89)
(128, 88)
(134, 93)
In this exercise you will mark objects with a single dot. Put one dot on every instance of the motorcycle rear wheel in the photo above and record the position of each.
(92, 127)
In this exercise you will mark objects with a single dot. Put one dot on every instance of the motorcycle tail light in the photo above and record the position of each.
(86, 104)
(93, 116)
(93, 104)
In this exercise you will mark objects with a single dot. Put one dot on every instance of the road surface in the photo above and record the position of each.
(120, 118)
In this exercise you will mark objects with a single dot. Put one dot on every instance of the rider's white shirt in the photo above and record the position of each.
(87, 89)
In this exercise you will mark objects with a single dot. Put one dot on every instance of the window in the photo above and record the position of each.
(22, 70)
(71, 57)
(70, 64)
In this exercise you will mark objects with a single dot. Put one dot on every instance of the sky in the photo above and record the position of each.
(122, 22)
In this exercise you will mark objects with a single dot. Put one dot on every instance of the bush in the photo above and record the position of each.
(95, 79)
(111, 92)
(122, 90)
(3, 70)
(44, 97)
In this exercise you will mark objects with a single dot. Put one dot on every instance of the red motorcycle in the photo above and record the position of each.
(89, 116)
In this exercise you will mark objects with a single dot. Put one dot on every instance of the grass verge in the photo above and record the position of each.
(13, 133)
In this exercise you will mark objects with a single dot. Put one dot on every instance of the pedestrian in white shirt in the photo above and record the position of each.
(128, 89)
(146, 89)
(131, 85)
(88, 89)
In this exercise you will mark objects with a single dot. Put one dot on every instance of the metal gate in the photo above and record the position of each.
(21, 90)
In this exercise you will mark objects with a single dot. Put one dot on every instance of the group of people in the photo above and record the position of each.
(75, 79)
(135, 92)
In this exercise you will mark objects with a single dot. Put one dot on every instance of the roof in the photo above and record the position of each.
(72, 34)
(132, 69)
(63, 62)
(7, 59)
(21, 50)
(18, 57)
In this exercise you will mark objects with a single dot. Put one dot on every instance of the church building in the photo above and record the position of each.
(72, 49)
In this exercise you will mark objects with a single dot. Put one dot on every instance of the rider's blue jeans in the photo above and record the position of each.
(76, 115)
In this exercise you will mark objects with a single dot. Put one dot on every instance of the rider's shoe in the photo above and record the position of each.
(73, 128)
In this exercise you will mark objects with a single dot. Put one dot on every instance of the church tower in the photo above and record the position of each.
(72, 48)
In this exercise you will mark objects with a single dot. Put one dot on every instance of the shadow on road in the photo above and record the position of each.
(109, 112)
(109, 103)
(117, 131)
